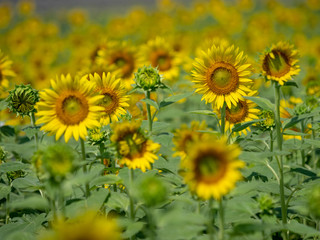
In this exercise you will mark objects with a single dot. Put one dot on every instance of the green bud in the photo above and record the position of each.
(97, 136)
(268, 122)
(313, 202)
(152, 191)
(312, 102)
(148, 78)
(22, 99)
(301, 109)
(15, 174)
(266, 204)
(3, 155)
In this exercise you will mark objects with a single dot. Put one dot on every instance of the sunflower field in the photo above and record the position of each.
(173, 120)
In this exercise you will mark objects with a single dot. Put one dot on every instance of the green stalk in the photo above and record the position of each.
(221, 216)
(101, 149)
(131, 213)
(83, 152)
(149, 111)
(223, 118)
(314, 161)
(211, 220)
(302, 141)
(7, 203)
(33, 123)
(280, 160)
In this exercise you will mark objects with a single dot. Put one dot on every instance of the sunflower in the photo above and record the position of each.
(280, 62)
(5, 72)
(121, 58)
(211, 168)
(84, 227)
(244, 111)
(160, 54)
(115, 98)
(221, 75)
(133, 147)
(185, 136)
(70, 107)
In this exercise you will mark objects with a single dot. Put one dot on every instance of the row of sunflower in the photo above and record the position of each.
(125, 169)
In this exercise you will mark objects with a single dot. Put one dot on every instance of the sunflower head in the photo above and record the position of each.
(148, 78)
(5, 72)
(211, 168)
(222, 74)
(133, 147)
(22, 100)
(280, 62)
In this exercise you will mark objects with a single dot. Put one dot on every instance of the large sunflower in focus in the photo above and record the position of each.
(70, 107)
(121, 58)
(160, 54)
(280, 62)
(133, 147)
(221, 74)
(211, 168)
(114, 97)
(5, 72)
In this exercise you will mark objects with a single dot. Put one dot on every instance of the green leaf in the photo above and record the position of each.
(132, 228)
(3, 104)
(172, 99)
(291, 83)
(240, 127)
(106, 179)
(301, 229)
(293, 121)
(30, 131)
(35, 202)
(262, 102)
(150, 102)
(303, 171)
(205, 112)
(4, 191)
(315, 143)
(97, 198)
(294, 133)
(27, 183)
(12, 166)
(118, 200)
(7, 131)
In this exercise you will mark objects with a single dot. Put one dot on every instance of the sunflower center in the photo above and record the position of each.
(120, 62)
(125, 62)
(161, 59)
(209, 166)
(237, 113)
(277, 64)
(1, 76)
(222, 78)
(72, 108)
(110, 101)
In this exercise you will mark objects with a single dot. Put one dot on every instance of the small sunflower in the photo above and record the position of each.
(244, 111)
(160, 54)
(185, 136)
(211, 168)
(115, 98)
(86, 226)
(222, 75)
(5, 72)
(121, 58)
(70, 107)
(133, 147)
(280, 62)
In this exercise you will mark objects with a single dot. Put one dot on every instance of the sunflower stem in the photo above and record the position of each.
(211, 220)
(221, 216)
(223, 118)
(149, 111)
(101, 149)
(280, 160)
(314, 160)
(83, 152)
(33, 123)
(302, 141)
(132, 215)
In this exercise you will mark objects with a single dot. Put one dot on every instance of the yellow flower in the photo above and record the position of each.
(279, 63)
(135, 150)
(114, 97)
(160, 54)
(184, 137)
(221, 75)
(70, 107)
(86, 226)
(211, 168)
(121, 58)
(5, 72)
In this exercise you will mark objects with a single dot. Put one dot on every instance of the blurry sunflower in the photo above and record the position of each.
(115, 98)
(221, 75)
(133, 147)
(244, 111)
(84, 227)
(185, 136)
(160, 54)
(119, 57)
(70, 107)
(211, 168)
(280, 62)
(5, 72)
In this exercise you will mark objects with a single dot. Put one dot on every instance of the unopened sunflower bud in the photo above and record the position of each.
(15, 174)
(97, 136)
(268, 122)
(153, 191)
(301, 109)
(22, 100)
(148, 78)
(266, 204)
(312, 102)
